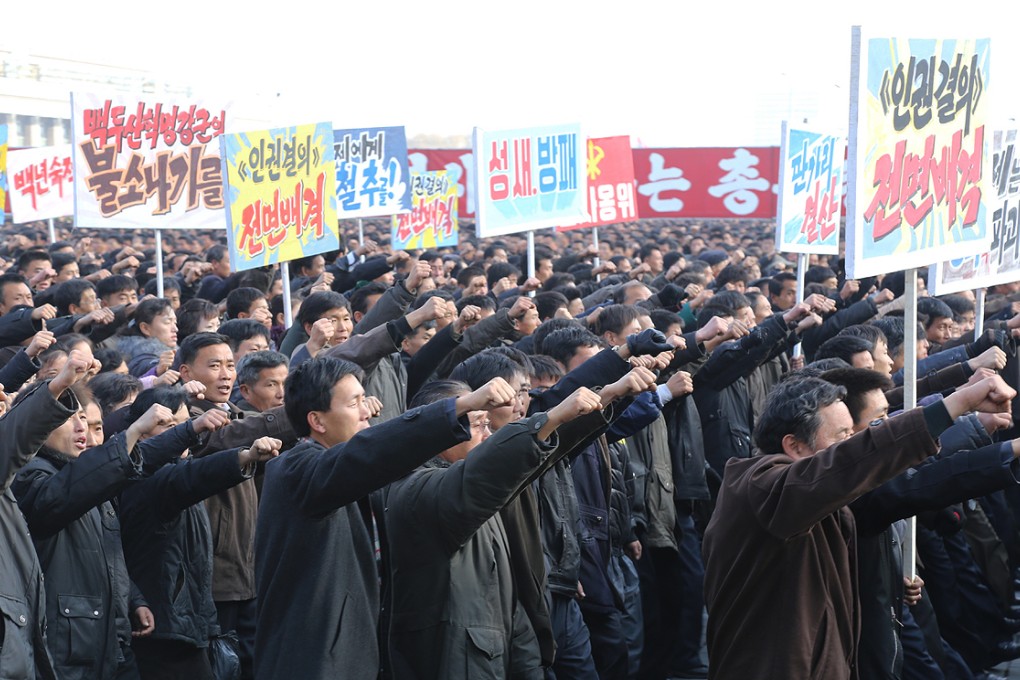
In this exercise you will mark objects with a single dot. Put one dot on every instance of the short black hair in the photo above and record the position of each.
(30, 256)
(112, 285)
(499, 270)
(240, 300)
(192, 313)
(468, 273)
(857, 382)
(548, 301)
(437, 390)
(663, 319)
(109, 357)
(551, 326)
(110, 389)
(613, 318)
(932, 308)
(317, 304)
(480, 301)
(69, 293)
(544, 367)
(869, 332)
(892, 328)
(309, 388)
(777, 281)
(171, 396)
(844, 347)
(563, 344)
(239, 330)
(483, 367)
(793, 407)
(359, 298)
(195, 342)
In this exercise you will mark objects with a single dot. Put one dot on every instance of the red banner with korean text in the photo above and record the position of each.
(700, 182)
(730, 182)
(610, 170)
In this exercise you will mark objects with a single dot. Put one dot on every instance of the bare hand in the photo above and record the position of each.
(467, 318)
(210, 421)
(493, 394)
(40, 342)
(142, 622)
(421, 271)
(521, 307)
(261, 450)
(44, 312)
(374, 406)
(680, 383)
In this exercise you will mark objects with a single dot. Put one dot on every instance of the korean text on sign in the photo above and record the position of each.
(371, 171)
(810, 192)
(610, 174)
(432, 221)
(528, 179)
(41, 183)
(282, 200)
(146, 162)
(919, 148)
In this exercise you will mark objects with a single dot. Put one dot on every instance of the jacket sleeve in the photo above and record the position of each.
(790, 496)
(737, 359)
(242, 432)
(155, 452)
(947, 378)
(25, 427)
(174, 488)
(936, 362)
(858, 312)
(17, 326)
(642, 412)
(391, 305)
(427, 360)
(366, 350)
(477, 338)
(17, 371)
(349, 471)
(936, 483)
(51, 501)
(463, 497)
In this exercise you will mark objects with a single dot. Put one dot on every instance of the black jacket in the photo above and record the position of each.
(315, 569)
(168, 542)
(77, 536)
(720, 390)
(23, 651)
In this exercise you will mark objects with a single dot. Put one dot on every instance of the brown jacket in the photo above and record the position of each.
(780, 561)
(232, 512)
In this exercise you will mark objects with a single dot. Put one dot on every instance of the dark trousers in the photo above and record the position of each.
(171, 660)
(661, 603)
(239, 616)
(608, 643)
(918, 663)
(573, 645)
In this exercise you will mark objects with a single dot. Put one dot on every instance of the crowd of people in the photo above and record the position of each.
(648, 458)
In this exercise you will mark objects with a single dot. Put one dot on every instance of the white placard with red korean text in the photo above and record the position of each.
(147, 161)
(41, 183)
(529, 179)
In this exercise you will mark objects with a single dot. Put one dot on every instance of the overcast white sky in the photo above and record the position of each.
(665, 72)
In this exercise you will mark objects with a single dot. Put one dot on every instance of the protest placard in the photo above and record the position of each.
(918, 152)
(41, 183)
(279, 185)
(1001, 264)
(432, 221)
(146, 161)
(529, 179)
(810, 191)
(371, 171)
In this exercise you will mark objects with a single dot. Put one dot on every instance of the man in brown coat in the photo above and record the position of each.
(780, 562)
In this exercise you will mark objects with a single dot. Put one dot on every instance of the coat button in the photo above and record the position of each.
(22, 619)
(95, 613)
(67, 611)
